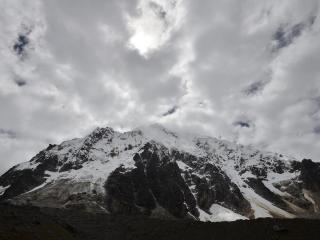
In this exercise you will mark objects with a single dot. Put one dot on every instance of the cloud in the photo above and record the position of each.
(5, 133)
(317, 130)
(242, 124)
(170, 111)
(255, 88)
(154, 24)
(284, 36)
(214, 68)
(20, 45)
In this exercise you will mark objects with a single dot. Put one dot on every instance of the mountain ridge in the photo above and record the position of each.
(161, 173)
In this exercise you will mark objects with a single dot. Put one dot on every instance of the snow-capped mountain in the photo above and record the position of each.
(161, 173)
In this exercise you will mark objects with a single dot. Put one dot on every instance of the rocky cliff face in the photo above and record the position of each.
(159, 173)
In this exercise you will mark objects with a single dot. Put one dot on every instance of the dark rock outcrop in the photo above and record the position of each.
(21, 181)
(155, 182)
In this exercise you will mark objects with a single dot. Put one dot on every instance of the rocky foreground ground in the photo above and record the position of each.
(22, 223)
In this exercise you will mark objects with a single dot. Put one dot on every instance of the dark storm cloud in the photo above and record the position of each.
(284, 38)
(255, 88)
(316, 130)
(20, 45)
(285, 35)
(22, 41)
(20, 82)
(243, 124)
(7, 133)
(170, 111)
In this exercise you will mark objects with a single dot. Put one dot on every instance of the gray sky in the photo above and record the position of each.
(248, 71)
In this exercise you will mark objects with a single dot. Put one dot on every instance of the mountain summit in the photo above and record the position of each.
(161, 173)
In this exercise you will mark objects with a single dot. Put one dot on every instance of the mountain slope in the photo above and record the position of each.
(159, 173)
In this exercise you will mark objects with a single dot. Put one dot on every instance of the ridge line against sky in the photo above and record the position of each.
(247, 71)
